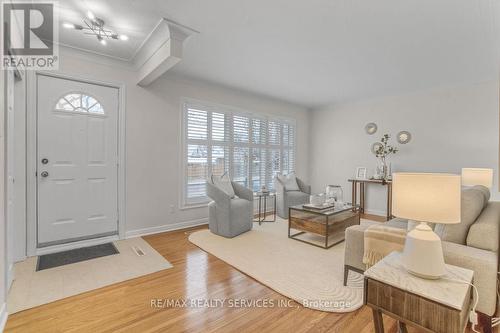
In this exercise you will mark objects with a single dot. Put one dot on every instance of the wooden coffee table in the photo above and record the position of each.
(329, 224)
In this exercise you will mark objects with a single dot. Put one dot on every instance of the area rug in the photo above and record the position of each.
(310, 275)
(33, 288)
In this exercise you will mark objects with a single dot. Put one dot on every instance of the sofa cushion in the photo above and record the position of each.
(483, 233)
(294, 198)
(472, 204)
(240, 206)
(289, 182)
(485, 191)
(398, 223)
(411, 225)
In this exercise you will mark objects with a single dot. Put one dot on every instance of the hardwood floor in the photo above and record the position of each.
(126, 306)
(372, 217)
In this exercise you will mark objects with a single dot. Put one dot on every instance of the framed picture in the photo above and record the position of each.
(361, 173)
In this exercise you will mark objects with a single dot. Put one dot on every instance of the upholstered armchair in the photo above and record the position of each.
(230, 216)
(286, 198)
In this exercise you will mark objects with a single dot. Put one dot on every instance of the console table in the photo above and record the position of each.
(362, 183)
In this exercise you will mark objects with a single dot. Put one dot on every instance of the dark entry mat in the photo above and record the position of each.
(72, 256)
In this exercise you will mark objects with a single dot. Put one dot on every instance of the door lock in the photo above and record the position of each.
(45, 161)
(44, 174)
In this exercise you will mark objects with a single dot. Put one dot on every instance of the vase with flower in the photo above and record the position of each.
(382, 150)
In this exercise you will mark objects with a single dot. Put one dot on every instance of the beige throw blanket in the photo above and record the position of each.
(381, 240)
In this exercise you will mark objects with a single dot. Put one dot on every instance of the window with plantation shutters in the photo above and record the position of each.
(252, 149)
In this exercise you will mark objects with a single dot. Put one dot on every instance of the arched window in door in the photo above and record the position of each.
(78, 102)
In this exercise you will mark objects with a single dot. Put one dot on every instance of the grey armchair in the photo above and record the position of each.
(285, 199)
(228, 216)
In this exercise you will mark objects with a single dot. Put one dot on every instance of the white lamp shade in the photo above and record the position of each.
(427, 197)
(477, 176)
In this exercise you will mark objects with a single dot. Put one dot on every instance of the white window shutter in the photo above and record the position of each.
(197, 124)
(252, 149)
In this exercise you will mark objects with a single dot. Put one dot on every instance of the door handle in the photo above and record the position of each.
(44, 174)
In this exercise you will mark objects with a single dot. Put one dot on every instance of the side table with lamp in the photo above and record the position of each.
(416, 287)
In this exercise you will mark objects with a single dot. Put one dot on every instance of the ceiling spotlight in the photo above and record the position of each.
(123, 37)
(90, 15)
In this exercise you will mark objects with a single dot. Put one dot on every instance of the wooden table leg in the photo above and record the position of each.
(389, 202)
(289, 220)
(326, 233)
(377, 321)
(485, 322)
(354, 195)
(362, 197)
(402, 327)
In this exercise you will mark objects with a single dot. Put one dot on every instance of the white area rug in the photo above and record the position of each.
(305, 273)
(31, 288)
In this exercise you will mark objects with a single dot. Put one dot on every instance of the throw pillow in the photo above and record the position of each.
(472, 205)
(289, 182)
(485, 191)
(224, 184)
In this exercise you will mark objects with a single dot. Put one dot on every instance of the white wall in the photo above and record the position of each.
(3, 249)
(153, 137)
(19, 214)
(451, 128)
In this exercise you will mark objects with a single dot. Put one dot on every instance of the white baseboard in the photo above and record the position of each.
(10, 276)
(164, 228)
(3, 316)
(128, 234)
(75, 245)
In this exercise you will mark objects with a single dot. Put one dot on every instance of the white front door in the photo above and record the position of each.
(77, 156)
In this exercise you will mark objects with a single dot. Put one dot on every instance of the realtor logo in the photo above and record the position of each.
(30, 33)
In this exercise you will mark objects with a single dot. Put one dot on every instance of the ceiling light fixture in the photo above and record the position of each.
(95, 26)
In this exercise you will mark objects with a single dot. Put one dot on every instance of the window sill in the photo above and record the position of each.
(194, 206)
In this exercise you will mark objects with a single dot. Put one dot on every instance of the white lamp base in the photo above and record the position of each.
(423, 254)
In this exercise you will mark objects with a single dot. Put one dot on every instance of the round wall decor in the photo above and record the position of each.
(375, 147)
(404, 137)
(371, 128)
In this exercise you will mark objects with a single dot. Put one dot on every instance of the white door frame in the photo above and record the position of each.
(31, 165)
(9, 174)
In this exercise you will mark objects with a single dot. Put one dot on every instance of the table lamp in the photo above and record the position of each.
(425, 197)
(477, 176)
